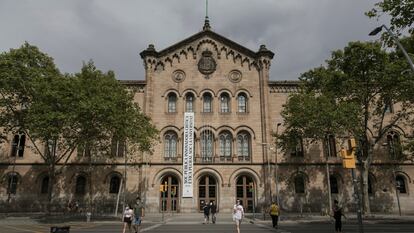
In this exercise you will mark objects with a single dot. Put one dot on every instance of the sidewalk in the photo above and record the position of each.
(192, 218)
(295, 218)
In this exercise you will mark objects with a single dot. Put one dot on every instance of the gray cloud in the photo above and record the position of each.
(302, 33)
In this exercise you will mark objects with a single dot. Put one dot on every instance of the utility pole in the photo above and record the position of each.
(348, 162)
(277, 165)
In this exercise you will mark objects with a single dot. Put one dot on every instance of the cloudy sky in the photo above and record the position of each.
(302, 33)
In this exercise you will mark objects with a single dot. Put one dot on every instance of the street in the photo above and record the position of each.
(213, 228)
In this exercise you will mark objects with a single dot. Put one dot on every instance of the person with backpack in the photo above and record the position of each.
(274, 214)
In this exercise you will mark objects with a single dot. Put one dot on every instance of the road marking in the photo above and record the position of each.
(268, 227)
(21, 229)
(151, 227)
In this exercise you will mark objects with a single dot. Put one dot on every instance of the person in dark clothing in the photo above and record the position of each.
(337, 215)
(213, 211)
(206, 210)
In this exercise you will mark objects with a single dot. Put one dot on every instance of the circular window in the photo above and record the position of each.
(178, 76)
(235, 76)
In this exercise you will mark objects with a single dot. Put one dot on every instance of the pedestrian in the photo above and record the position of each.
(206, 211)
(238, 214)
(138, 214)
(274, 214)
(127, 218)
(337, 215)
(213, 211)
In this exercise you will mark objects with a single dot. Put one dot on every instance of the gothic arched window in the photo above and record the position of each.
(170, 145)
(225, 139)
(401, 184)
(189, 102)
(299, 184)
(207, 102)
(117, 147)
(297, 148)
(224, 102)
(12, 183)
(44, 188)
(331, 145)
(18, 143)
(394, 145)
(242, 103)
(333, 181)
(80, 187)
(172, 102)
(114, 184)
(207, 139)
(243, 146)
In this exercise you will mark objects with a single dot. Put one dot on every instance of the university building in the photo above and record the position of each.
(236, 111)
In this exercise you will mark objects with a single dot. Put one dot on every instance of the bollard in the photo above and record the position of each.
(88, 216)
(64, 229)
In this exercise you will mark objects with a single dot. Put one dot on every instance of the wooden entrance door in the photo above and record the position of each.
(245, 192)
(169, 197)
(207, 191)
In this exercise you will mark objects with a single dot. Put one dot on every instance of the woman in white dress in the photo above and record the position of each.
(238, 214)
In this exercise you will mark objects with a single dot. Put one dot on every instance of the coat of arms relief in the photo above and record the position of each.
(207, 65)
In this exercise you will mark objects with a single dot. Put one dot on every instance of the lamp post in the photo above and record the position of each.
(396, 183)
(276, 164)
(378, 29)
(269, 177)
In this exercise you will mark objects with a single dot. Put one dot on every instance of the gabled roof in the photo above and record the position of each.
(150, 51)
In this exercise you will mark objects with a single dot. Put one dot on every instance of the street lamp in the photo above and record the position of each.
(273, 149)
(378, 29)
(276, 164)
(269, 181)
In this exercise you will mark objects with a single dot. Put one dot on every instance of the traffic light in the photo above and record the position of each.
(348, 156)
(164, 187)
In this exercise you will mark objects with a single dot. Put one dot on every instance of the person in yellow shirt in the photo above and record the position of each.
(274, 213)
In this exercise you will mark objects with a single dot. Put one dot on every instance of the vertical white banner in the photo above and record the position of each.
(188, 154)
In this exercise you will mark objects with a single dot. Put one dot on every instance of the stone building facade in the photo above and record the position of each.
(237, 112)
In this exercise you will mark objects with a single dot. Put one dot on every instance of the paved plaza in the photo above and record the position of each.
(194, 223)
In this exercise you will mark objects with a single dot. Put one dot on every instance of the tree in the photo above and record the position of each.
(31, 84)
(63, 112)
(106, 112)
(401, 12)
(348, 96)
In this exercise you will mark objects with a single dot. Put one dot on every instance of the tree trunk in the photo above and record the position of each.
(364, 187)
(90, 185)
(52, 178)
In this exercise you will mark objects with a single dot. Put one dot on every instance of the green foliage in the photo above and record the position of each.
(309, 116)
(106, 111)
(348, 96)
(90, 107)
(21, 73)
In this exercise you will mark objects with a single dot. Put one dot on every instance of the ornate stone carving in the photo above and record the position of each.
(178, 76)
(235, 76)
(207, 64)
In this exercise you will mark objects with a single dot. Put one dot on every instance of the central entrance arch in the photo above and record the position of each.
(207, 191)
(169, 201)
